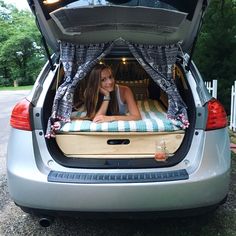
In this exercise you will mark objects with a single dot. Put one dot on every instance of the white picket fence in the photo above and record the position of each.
(232, 124)
(212, 87)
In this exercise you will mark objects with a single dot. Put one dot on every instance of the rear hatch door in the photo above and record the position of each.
(144, 21)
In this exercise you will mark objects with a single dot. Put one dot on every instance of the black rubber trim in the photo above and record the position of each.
(101, 178)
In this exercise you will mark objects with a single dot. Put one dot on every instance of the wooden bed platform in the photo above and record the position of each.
(114, 144)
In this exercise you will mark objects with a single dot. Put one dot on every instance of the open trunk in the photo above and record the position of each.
(98, 146)
(133, 24)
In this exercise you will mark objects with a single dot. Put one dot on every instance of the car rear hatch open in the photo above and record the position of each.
(148, 22)
(159, 22)
(83, 143)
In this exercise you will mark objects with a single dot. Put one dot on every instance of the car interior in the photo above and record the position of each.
(114, 144)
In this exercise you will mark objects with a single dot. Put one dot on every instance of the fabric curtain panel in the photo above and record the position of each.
(158, 61)
(77, 61)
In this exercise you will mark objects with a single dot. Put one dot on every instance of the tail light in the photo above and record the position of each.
(217, 117)
(20, 116)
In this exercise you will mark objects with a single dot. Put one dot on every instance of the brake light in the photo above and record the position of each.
(20, 116)
(217, 117)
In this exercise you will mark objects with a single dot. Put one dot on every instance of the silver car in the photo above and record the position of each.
(177, 162)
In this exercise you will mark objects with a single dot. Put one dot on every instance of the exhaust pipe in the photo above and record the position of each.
(45, 221)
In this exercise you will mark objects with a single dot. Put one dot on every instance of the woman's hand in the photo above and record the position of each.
(104, 91)
(103, 118)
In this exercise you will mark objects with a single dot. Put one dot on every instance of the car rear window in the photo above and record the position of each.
(179, 5)
(133, 3)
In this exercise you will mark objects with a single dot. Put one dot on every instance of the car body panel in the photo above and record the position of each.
(29, 187)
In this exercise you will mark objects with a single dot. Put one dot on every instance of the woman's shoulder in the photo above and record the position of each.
(125, 92)
(123, 88)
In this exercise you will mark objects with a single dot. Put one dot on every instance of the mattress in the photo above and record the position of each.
(153, 114)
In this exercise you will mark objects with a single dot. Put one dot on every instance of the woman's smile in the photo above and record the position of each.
(107, 80)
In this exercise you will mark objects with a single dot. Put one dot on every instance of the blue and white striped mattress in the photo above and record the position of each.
(153, 120)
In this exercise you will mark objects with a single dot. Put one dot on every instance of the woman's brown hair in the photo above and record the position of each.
(93, 98)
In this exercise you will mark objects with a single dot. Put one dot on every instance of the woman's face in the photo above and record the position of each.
(107, 80)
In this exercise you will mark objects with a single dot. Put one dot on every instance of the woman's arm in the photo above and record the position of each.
(103, 108)
(128, 98)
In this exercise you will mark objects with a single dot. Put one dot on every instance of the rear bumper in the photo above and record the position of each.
(118, 197)
(30, 188)
(125, 215)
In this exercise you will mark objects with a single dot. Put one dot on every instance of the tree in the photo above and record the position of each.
(21, 55)
(215, 54)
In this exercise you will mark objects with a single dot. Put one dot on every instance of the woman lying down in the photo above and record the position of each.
(105, 101)
(108, 107)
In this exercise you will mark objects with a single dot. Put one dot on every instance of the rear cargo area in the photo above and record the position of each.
(83, 139)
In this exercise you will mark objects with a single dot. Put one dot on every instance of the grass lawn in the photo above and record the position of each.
(29, 87)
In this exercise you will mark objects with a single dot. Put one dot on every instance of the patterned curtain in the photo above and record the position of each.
(77, 61)
(158, 62)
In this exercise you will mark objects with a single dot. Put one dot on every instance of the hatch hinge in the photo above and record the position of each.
(204, 6)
